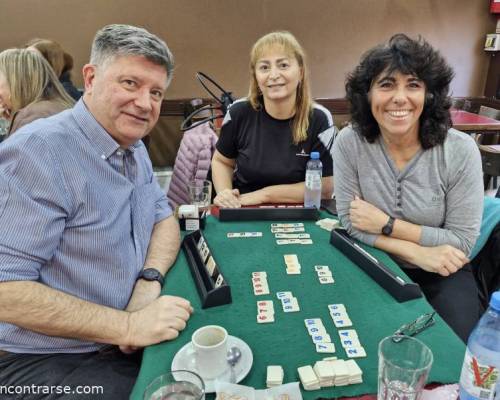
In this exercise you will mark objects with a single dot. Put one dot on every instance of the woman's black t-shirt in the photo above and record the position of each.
(264, 150)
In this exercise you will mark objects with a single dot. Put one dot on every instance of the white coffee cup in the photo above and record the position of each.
(209, 345)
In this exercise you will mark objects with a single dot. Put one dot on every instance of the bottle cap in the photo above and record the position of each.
(495, 301)
(314, 155)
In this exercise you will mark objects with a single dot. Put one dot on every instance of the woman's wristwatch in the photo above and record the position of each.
(387, 228)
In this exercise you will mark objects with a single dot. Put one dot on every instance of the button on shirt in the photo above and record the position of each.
(76, 214)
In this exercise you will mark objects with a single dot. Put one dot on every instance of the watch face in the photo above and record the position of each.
(150, 274)
(387, 229)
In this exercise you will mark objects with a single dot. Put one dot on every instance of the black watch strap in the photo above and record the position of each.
(387, 229)
(151, 274)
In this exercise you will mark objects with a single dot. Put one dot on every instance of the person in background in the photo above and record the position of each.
(61, 62)
(407, 183)
(86, 233)
(29, 88)
(266, 139)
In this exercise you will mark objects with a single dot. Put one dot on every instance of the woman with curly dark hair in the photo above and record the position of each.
(405, 181)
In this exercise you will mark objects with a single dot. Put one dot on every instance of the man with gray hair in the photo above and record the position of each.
(86, 233)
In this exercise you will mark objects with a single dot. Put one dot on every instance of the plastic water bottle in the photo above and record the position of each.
(480, 373)
(312, 191)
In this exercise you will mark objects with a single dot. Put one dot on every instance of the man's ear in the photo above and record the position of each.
(89, 72)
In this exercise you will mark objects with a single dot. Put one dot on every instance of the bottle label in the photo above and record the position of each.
(313, 180)
(478, 379)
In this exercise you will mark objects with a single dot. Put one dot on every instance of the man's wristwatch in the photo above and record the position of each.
(387, 229)
(151, 274)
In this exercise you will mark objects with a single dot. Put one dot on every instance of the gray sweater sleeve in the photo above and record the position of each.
(346, 182)
(455, 166)
(464, 198)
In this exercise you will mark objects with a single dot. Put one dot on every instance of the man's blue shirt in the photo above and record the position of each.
(76, 214)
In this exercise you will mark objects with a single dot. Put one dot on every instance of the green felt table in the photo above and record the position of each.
(374, 313)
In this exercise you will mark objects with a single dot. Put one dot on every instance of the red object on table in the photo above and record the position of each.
(214, 210)
(467, 121)
(495, 7)
(429, 386)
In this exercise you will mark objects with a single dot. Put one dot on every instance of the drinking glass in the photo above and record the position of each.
(403, 368)
(176, 385)
(200, 193)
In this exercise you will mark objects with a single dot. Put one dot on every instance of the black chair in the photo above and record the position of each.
(486, 268)
(457, 103)
(490, 156)
(488, 138)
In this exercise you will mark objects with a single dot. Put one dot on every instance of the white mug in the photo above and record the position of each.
(209, 345)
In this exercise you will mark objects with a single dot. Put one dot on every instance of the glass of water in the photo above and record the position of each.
(200, 193)
(403, 368)
(176, 385)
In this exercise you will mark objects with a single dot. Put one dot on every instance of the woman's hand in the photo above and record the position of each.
(253, 198)
(443, 260)
(228, 198)
(366, 217)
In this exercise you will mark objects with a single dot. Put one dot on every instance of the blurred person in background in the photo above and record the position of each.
(60, 61)
(22, 103)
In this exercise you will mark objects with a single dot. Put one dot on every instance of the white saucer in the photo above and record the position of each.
(184, 361)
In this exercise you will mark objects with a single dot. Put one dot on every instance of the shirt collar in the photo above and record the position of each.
(100, 139)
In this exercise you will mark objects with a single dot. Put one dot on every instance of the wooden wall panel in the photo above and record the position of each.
(214, 36)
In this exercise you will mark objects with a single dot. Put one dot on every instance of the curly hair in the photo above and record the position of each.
(409, 57)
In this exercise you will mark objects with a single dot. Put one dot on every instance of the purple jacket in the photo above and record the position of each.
(192, 162)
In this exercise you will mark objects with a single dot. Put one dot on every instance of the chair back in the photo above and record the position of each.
(488, 138)
(457, 103)
(489, 112)
(491, 159)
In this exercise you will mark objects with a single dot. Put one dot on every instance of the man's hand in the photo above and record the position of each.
(228, 198)
(161, 320)
(443, 260)
(366, 217)
(144, 293)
